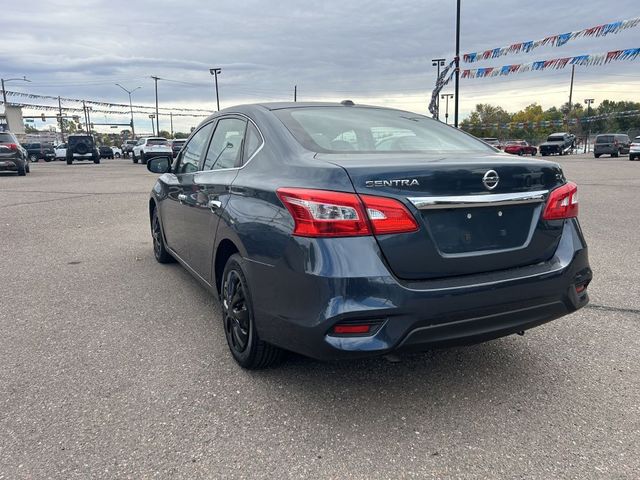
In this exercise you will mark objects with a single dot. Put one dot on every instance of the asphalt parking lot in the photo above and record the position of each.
(114, 366)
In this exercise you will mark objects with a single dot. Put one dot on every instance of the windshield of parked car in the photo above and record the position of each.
(157, 141)
(373, 130)
(519, 143)
(555, 138)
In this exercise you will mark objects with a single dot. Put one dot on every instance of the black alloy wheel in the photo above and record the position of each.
(239, 324)
(159, 250)
(236, 313)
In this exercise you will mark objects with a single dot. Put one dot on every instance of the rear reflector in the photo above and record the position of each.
(351, 329)
(323, 213)
(10, 146)
(562, 203)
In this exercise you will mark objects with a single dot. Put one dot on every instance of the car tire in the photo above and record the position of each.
(520, 153)
(143, 158)
(160, 252)
(616, 154)
(33, 158)
(69, 161)
(239, 323)
(596, 155)
(117, 155)
(27, 168)
(96, 160)
(134, 158)
(22, 171)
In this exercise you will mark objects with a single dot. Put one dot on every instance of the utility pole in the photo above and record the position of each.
(61, 120)
(86, 119)
(133, 131)
(157, 116)
(4, 94)
(573, 69)
(171, 118)
(89, 119)
(295, 93)
(446, 96)
(457, 91)
(588, 101)
(438, 62)
(153, 128)
(215, 71)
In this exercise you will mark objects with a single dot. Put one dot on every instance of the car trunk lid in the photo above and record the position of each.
(468, 223)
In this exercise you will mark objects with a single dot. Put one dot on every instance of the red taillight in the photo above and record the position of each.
(10, 146)
(388, 215)
(322, 213)
(562, 203)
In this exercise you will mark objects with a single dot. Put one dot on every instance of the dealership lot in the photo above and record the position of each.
(113, 366)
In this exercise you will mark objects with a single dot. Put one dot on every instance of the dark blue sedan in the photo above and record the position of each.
(343, 231)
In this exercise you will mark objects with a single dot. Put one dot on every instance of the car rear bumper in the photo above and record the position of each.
(345, 281)
(10, 163)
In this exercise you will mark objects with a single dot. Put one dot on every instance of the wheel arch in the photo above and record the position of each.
(223, 252)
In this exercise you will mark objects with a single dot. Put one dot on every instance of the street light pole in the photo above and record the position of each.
(133, 131)
(457, 91)
(215, 71)
(153, 127)
(4, 94)
(438, 62)
(588, 101)
(157, 115)
(446, 96)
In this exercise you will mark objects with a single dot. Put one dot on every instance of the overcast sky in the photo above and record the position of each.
(370, 51)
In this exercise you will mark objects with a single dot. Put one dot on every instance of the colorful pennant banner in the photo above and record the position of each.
(127, 112)
(552, 40)
(556, 63)
(100, 104)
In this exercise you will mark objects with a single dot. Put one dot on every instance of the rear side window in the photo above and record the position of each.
(604, 139)
(252, 143)
(226, 144)
(373, 130)
(6, 138)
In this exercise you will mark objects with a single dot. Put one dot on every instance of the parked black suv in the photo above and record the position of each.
(13, 157)
(82, 147)
(614, 144)
(40, 151)
(558, 143)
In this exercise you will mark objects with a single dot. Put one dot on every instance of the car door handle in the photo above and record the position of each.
(214, 204)
(182, 197)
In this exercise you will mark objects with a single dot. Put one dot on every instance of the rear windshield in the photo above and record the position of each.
(373, 130)
(157, 141)
(556, 138)
(604, 139)
(6, 138)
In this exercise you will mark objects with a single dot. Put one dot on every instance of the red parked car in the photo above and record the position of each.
(520, 147)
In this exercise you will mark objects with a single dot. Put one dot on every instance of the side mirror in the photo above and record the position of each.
(159, 165)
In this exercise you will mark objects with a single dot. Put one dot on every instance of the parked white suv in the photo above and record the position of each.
(60, 151)
(151, 147)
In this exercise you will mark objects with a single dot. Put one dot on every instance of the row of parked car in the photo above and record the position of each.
(562, 143)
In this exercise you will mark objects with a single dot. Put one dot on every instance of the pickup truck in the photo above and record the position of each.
(558, 144)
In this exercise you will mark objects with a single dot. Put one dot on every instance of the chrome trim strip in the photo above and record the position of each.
(471, 201)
